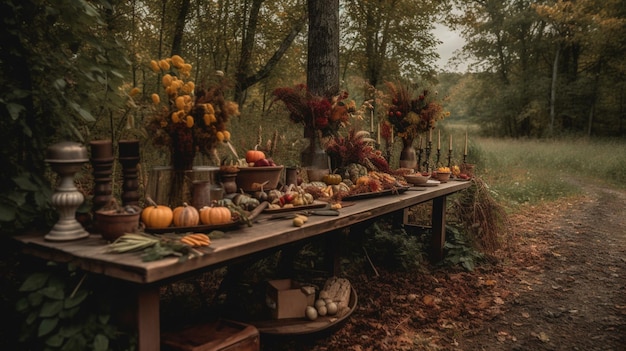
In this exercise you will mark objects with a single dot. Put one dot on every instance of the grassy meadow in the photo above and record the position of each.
(529, 170)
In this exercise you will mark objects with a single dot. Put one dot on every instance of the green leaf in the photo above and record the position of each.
(15, 110)
(7, 213)
(46, 326)
(22, 305)
(24, 182)
(51, 308)
(100, 343)
(55, 341)
(70, 330)
(69, 313)
(34, 282)
(77, 342)
(74, 301)
(53, 292)
(104, 318)
(32, 317)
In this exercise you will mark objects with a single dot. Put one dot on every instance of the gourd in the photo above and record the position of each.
(332, 179)
(156, 216)
(254, 155)
(186, 216)
(215, 215)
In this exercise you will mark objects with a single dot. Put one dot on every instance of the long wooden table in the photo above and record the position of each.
(90, 254)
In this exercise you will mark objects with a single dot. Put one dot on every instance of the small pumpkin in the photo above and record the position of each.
(254, 155)
(157, 216)
(186, 216)
(332, 179)
(215, 215)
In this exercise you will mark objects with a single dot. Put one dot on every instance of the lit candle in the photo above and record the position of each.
(465, 152)
(439, 139)
(450, 142)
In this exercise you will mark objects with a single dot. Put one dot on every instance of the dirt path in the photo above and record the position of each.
(570, 290)
(561, 286)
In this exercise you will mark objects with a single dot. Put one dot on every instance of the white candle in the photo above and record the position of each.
(450, 142)
(378, 134)
(392, 135)
(465, 152)
(372, 121)
(439, 139)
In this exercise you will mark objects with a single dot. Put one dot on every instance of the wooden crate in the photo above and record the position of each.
(222, 335)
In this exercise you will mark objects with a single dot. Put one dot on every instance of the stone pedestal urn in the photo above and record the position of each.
(67, 158)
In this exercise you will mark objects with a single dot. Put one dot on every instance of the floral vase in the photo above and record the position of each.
(408, 157)
(314, 156)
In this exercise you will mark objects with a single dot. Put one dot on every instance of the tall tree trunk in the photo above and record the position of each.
(555, 67)
(323, 47)
(179, 29)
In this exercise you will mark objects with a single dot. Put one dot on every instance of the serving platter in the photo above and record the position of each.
(315, 204)
(429, 183)
(394, 191)
(207, 228)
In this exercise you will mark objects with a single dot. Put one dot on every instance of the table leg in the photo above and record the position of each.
(438, 238)
(148, 324)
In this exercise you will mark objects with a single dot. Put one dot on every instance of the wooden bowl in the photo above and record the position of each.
(249, 178)
(112, 224)
(443, 176)
(416, 179)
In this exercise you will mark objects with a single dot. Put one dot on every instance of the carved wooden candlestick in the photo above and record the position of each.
(427, 158)
(129, 159)
(102, 162)
(449, 158)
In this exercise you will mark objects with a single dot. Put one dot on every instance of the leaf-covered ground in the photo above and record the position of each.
(559, 284)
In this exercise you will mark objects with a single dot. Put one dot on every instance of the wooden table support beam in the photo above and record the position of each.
(438, 238)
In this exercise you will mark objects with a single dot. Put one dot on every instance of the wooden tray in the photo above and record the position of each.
(315, 204)
(398, 190)
(207, 228)
(302, 326)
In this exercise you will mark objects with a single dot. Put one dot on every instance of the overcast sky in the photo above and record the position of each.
(451, 41)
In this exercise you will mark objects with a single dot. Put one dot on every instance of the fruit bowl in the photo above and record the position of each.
(249, 178)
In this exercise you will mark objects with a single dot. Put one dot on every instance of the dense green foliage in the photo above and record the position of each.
(543, 68)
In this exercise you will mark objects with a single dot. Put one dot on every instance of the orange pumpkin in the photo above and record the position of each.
(254, 155)
(215, 215)
(157, 216)
(186, 216)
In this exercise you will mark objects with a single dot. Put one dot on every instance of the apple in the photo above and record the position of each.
(263, 162)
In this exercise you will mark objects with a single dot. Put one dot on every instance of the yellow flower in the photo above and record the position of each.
(188, 87)
(155, 66)
(134, 91)
(226, 135)
(220, 136)
(156, 99)
(209, 109)
(189, 121)
(180, 102)
(167, 80)
(177, 61)
(164, 65)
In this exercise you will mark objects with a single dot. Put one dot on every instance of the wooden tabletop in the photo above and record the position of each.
(91, 253)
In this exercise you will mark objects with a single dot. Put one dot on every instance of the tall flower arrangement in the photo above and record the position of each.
(409, 115)
(187, 119)
(316, 113)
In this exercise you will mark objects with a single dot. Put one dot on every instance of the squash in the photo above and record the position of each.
(156, 216)
(332, 179)
(186, 216)
(215, 215)
(254, 155)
